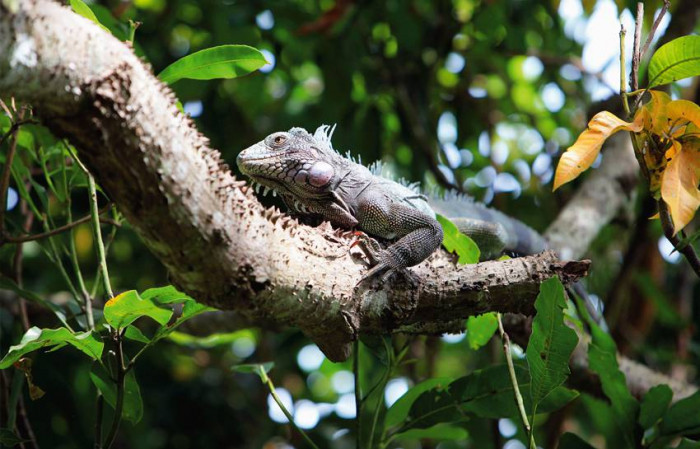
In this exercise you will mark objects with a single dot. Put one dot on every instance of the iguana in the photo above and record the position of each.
(314, 180)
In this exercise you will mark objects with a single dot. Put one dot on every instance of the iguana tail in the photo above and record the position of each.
(518, 237)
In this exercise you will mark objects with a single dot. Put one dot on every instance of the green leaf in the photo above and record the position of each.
(683, 418)
(260, 369)
(437, 432)
(486, 393)
(688, 444)
(84, 10)
(165, 295)
(654, 405)
(602, 360)
(225, 61)
(399, 409)
(573, 441)
(480, 329)
(211, 340)
(126, 307)
(675, 61)
(36, 338)
(132, 409)
(551, 342)
(134, 333)
(9, 438)
(458, 243)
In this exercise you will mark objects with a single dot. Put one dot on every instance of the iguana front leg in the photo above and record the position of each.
(419, 234)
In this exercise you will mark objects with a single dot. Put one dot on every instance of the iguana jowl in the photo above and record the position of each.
(314, 179)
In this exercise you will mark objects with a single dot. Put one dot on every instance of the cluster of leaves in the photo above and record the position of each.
(666, 135)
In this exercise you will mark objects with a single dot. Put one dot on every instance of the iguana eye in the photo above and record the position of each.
(279, 139)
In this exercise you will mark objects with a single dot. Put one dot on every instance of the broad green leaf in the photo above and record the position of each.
(132, 409)
(170, 295)
(551, 342)
(165, 295)
(134, 333)
(84, 10)
(9, 438)
(573, 441)
(675, 61)
(399, 409)
(126, 307)
(654, 405)
(579, 157)
(458, 243)
(486, 393)
(437, 432)
(679, 184)
(36, 338)
(211, 340)
(261, 369)
(480, 329)
(602, 360)
(225, 61)
(683, 418)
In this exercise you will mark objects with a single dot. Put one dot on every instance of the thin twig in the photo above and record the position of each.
(667, 225)
(268, 382)
(17, 264)
(636, 56)
(5, 176)
(623, 78)
(121, 374)
(99, 408)
(654, 27)
(58, 230)
(358, 391)
(98, 236)
(87, 299)
(514, 380)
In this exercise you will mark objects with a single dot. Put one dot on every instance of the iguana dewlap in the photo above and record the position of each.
(315, 180)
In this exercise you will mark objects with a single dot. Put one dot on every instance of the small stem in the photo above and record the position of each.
(5, 176)
(267, 381)
(636, 55)
(623, 78)
(667, 224)
(358, 391)
(56, 231)
(514, 380)
(98, 236)
(119, 406)
(99, 407)
(654, 27)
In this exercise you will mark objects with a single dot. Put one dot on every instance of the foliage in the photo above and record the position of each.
(445, 92)
(667, 135)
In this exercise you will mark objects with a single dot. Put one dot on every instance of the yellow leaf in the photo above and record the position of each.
(653, 114)
(679, 184)
(583, 152)
(682, 112)
(655, 216)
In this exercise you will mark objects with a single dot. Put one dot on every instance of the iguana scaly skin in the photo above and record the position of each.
(315, 180)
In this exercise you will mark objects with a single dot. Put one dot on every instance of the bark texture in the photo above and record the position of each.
(219, 243)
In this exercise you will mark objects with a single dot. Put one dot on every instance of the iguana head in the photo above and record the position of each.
(293, 163)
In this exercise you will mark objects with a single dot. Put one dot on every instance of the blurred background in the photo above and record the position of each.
(476, 95)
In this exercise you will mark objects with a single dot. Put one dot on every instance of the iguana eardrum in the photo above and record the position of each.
(314, 179)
